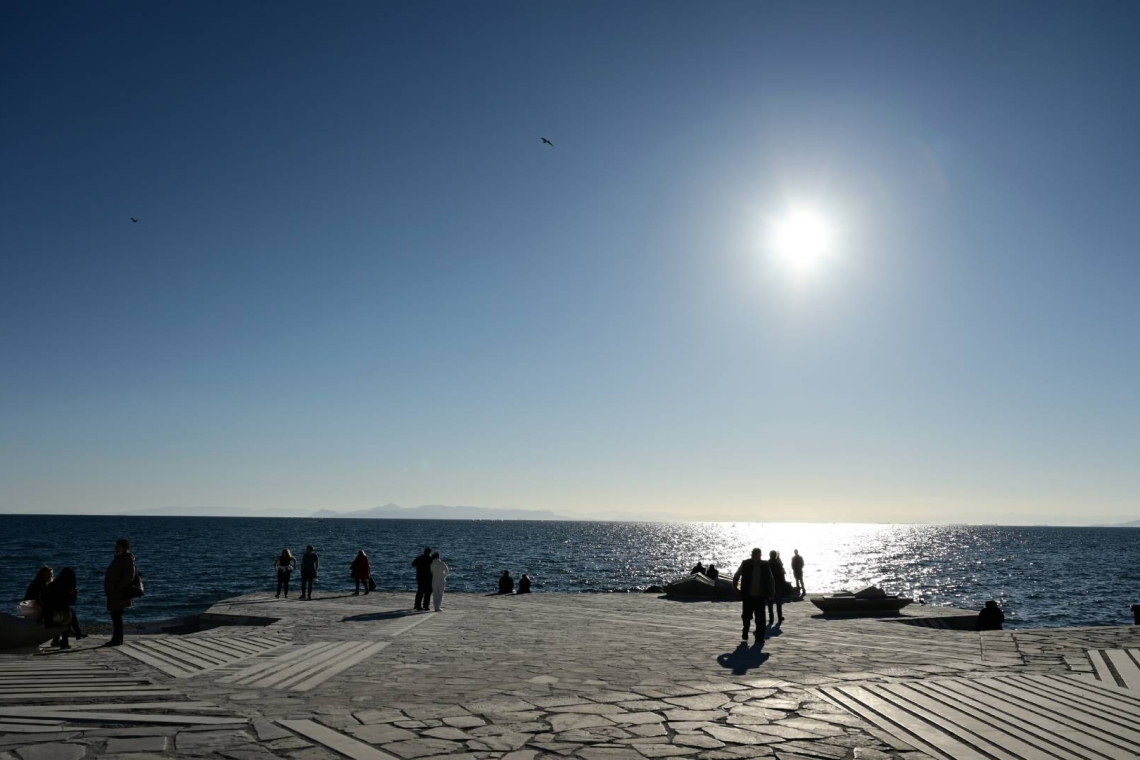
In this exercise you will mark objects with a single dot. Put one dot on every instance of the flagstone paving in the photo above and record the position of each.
(606, 676)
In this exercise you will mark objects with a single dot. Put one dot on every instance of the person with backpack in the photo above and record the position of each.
(122, 584)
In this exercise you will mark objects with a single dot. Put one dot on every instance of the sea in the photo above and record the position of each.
(1041, 576)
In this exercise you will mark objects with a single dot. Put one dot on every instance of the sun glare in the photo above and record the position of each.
(802, 241)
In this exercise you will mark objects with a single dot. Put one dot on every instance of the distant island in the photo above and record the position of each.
(443, 512)
(1130, 524)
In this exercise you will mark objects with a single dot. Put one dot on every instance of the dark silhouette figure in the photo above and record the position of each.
(134, 221)
(698, 569)
(56, 600)
(361, 572)
(43, 577)
(506, 583)
(779, 580)
(547, 142)
(119, 577)
(524, 584)
(712, 572)
(284, 565)
(1136, 614)
(798, 571)
(422, 564)
(755, 578)
(990, 618)
(310, 564)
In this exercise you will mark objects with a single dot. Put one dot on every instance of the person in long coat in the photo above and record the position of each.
(119, 576)
(310, 564)
(439, 572)
(779, 578)
(361, 571)
(756, 586)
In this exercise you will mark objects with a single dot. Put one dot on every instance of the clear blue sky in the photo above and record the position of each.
(359, 277)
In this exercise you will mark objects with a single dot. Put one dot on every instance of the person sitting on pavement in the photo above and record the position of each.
(524, 584)
(990, 618)
(506, 583)
(711, 572)
(698, 569)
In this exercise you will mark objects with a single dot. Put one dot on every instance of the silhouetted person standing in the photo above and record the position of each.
(990, 618)
(361, 572)
(56, 600)
(310, 564)
(779, 578)
(506, 583)
(422, 564)
(284, 566)
(439, 573)
(755, 587)
(798, 571)
(119, 577)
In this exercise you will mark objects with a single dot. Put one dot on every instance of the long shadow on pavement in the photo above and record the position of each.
(373, 616)
(744, 658)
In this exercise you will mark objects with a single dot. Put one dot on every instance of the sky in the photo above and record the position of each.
(359, 276)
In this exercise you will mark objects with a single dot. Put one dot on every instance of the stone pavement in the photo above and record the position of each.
(606, 676)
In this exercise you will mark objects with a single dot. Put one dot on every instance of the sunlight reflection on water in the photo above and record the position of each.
(1042, 576)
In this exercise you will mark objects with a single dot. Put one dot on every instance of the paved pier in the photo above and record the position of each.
(600, 677)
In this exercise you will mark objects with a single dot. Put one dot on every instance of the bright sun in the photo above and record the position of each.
(802, 240)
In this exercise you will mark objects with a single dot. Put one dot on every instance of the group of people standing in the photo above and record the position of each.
(56, 595)
(763, 585)
(431, 575)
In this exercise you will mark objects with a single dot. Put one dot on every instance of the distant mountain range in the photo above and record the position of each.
(396, 512)
(215, 512)
(443, 512)
(1130, 524)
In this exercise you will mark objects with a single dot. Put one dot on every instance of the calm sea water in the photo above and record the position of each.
(1041, 576)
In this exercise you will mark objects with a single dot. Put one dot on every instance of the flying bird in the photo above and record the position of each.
(547, 142)
(136, 221)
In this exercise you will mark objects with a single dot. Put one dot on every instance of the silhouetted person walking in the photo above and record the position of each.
(524, 584)
(439, 573)
(361, 572)
(422, 564)
(284, 566)
(310, 564)
(118, 579)
(779, 578)
(755, 587)
(990, 618)
(506, 583)
(798, 571)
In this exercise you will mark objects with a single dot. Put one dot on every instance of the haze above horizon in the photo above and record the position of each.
(807, 263)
